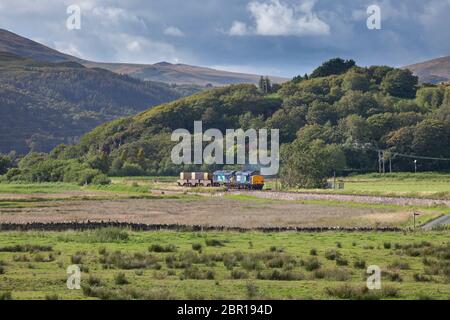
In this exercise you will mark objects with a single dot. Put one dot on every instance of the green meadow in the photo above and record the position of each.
(121, 264)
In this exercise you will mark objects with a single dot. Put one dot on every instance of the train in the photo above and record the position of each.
(251, 180)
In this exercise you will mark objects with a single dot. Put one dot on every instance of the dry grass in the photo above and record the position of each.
(207, 211)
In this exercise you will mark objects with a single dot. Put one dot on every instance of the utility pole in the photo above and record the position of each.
(334, 180)
(379, 161)
(390, 164)
(414, 215)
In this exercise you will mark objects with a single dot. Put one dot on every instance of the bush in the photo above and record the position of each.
(101, 179)
(361, 293)
(280, 275)
(120, 279)
(422, 278)
(332, 274)
(26, 248)
(359, 264)
(251, 264)
(399, 265)
(239, 274)
(94, 281)
(6, 295)
(229, 261)
(252, 290)
(313, 252)
(128, 261)
(392, 276)
(311, 264)
(51, 297)
(341, 261)
(76, 258)
(109, 234)
(332, 254)
(160, 249)
(197, 247)
(387, 245)
(214, 243)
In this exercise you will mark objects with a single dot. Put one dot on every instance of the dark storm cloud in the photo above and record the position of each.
(283, 37)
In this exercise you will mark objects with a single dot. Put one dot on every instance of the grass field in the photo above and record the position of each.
(121, 264)
(420, 185)
(118, 264)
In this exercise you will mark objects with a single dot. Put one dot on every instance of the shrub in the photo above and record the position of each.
(2, 270)
(229, 261)
(94, 281)
(120, 279)
(101, 179)
(399, 265)
(6, 295)
(359, 264)
(276, 262)
(313, 252)
(422, 278)
(109, 234)
(251, 264)
(195, 273)
(387, 245)
(392, 276)
(26, 248)
(332, 254)
(51, 297)
(76, 258)
(362, 293)
(311, 264)
(239, 274)
(197, 247)
(214, 243)
(332, 274)
(340, 261)
(159, 248)
(127, 261)
(252, 290)
(280, 275)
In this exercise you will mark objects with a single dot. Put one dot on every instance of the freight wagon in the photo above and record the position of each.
(230, 179)
(195, 179)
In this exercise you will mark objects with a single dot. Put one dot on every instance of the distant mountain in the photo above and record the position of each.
(23, 47)
(182, 74)
(432, 71)
(43, 104)
(163, 72)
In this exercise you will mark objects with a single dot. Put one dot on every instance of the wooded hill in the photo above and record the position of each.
(334, 119)
(43, 104)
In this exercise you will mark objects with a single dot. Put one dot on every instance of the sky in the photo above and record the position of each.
(270, 37)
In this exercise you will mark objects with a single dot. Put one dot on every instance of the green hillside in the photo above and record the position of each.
(43, 104)
(346, 110)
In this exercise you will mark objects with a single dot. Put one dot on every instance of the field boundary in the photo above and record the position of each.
(89, 225)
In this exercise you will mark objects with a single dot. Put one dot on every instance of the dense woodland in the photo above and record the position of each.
(45, 104)
(333, 120)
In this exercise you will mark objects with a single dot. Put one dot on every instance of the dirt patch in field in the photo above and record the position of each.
(213, 211)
